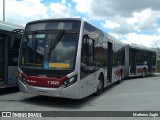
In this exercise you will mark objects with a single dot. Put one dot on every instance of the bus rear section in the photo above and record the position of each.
(9, 49)
(140, 61)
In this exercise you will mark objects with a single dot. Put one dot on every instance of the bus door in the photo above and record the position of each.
(149, 62)
(110, 61)
(13, 47)
(132, 60)
(1, 61)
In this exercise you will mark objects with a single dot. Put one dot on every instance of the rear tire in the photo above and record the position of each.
(144, 72)
(100, 86)
(120, 80)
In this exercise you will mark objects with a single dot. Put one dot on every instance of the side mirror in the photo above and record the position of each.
(86, 36)
(88, 69)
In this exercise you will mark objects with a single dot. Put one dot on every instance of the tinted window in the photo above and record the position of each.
(14, 50)
(54, 25)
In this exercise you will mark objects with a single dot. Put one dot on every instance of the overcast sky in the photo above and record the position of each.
(131, 21)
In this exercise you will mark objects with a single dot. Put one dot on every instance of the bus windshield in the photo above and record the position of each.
(53, 50)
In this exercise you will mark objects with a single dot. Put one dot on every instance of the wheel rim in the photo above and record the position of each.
(143, 73)
(99, 87)
(120, 78)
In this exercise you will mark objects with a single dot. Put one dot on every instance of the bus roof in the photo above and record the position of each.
(9, 26)
(42, 20)
(113, 39)
(140, 47)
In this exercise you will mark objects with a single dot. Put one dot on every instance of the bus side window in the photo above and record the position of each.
(87, 52)
(84, 57)
(14, 50)
(87, 56)
(90, 52)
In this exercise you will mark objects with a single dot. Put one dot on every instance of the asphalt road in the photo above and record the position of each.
(138, 94)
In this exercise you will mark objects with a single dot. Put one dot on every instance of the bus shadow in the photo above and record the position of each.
(54, 102)
(140, 78)
(111, 87)
(65, 103)
(9, 90)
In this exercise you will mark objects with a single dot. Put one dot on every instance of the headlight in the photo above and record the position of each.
(69, 81)
(21, 78)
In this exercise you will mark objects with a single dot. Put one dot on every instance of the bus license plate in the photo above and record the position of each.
(42, 93)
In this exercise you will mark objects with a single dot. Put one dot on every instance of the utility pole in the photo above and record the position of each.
(3, 10)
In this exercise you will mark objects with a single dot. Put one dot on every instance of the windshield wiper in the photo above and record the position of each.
(55, 41)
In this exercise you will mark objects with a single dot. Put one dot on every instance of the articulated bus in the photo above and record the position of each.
(9, 49)
(70, 58)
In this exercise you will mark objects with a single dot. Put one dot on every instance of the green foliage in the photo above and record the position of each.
(158, 66)
(158, 59)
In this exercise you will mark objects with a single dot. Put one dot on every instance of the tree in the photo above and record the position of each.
(158, 59)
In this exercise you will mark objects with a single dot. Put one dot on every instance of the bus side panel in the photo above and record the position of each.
(87, 86)
(71, 91)
(12, 80)
(117, 73)
(139, 70)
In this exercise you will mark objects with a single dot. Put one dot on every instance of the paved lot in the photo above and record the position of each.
(138, 94)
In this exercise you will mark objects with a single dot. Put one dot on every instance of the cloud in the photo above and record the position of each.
(158, 31)
(141, 39)
(127, 20)
(141, 15)
(118, 25)
(110, 25)
(60, 9)
(123, 8)
(145, 20)
(63, 2)
(83, 6)
(21, 12)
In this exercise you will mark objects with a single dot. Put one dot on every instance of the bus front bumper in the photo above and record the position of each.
(69, 92)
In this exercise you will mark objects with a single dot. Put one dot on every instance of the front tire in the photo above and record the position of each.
(99, 86)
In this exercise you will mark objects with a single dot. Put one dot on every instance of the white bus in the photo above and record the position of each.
(9, 48)
(68, 58)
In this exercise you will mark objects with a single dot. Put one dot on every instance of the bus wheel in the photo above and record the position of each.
(99, 85)
(120, 79)
(144, 72)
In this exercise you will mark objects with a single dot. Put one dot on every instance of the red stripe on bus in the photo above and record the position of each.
(44, 81)
(139, 70)
(118, 73)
